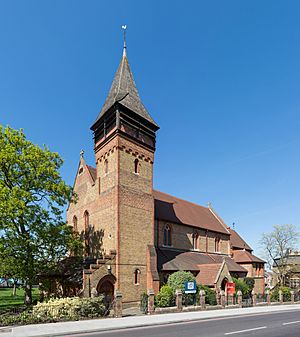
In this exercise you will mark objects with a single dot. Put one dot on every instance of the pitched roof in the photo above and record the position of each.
(288, 260)
(93, 172)
(237, 241)
(208, 274)
(172, 260)
(243, 256)
(180, 211)
(123, 90)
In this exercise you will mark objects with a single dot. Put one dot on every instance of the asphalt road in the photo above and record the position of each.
(279, 324)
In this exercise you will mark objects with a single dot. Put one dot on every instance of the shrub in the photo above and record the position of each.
(242, 286)
(144, 303)
(210, 295)
(70, 307)
(177, 281)
(250, 283)
(286, 292)
(165, 297)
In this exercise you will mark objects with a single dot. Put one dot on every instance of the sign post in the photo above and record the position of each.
(190, 287)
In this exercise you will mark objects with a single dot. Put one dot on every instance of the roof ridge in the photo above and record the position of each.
(219, 218)
(190, 202)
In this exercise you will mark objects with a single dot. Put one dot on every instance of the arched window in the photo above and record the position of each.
(87, 233)
(137, 276)
(105, 166)
(217, 244)
(195, 241)
(167, 236)
(75, 228)
(136, 166)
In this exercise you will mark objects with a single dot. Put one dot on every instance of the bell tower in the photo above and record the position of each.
(124, 144)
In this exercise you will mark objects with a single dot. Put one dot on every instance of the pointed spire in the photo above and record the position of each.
(124, 27)
(123, 90)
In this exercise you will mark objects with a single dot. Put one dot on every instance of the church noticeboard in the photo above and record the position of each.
(230, 287)
(190, 287)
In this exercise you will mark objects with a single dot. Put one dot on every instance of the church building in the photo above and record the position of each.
(134, 235)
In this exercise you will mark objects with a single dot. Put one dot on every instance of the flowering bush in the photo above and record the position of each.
(70, 307)
(62, 309)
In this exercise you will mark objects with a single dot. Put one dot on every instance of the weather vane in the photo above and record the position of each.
(124, 27)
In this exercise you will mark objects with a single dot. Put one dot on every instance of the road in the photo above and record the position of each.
(279, 324)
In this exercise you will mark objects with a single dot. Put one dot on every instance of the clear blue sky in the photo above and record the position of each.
(221, 78)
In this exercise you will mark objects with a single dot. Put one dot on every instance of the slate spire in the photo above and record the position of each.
(123, 90)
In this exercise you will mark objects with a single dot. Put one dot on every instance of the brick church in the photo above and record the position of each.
(135, 236)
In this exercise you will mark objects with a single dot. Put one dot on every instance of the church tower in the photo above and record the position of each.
(124, 144)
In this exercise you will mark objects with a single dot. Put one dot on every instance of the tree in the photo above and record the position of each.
(33, 235)
(277, 245)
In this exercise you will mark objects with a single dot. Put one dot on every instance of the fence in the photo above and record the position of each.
(236, 300)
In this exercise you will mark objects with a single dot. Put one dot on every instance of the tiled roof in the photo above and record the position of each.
(208, 274)
(243, 256)
(123, 90)
(172, 260)
(237, 242)
(180, 211)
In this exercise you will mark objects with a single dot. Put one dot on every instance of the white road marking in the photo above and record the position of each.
(241, 331)
(287, 323)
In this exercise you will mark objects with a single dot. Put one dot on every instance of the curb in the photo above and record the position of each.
(10, 330)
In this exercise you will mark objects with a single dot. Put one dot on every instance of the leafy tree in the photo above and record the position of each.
(277, 245)
(33, 235)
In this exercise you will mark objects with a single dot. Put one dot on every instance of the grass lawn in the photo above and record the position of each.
(7, 300)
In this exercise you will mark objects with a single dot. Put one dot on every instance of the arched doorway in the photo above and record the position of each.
(223, 284)
(106, 286)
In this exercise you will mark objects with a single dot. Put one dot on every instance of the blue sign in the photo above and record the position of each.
(190, 287)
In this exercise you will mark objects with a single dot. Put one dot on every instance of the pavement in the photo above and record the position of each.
(110, 324)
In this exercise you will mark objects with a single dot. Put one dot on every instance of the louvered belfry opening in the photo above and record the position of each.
(123, 111)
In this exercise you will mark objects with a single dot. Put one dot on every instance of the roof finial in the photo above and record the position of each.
(124, 27)
(209, 204)
(81, 153)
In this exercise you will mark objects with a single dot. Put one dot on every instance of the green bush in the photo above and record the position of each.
(144, 303)
(165, 297)
(73, 307)
(242, 286)
(55, 310)
(177, 281)
(286, 291)
(250, 283)
(210, 295)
